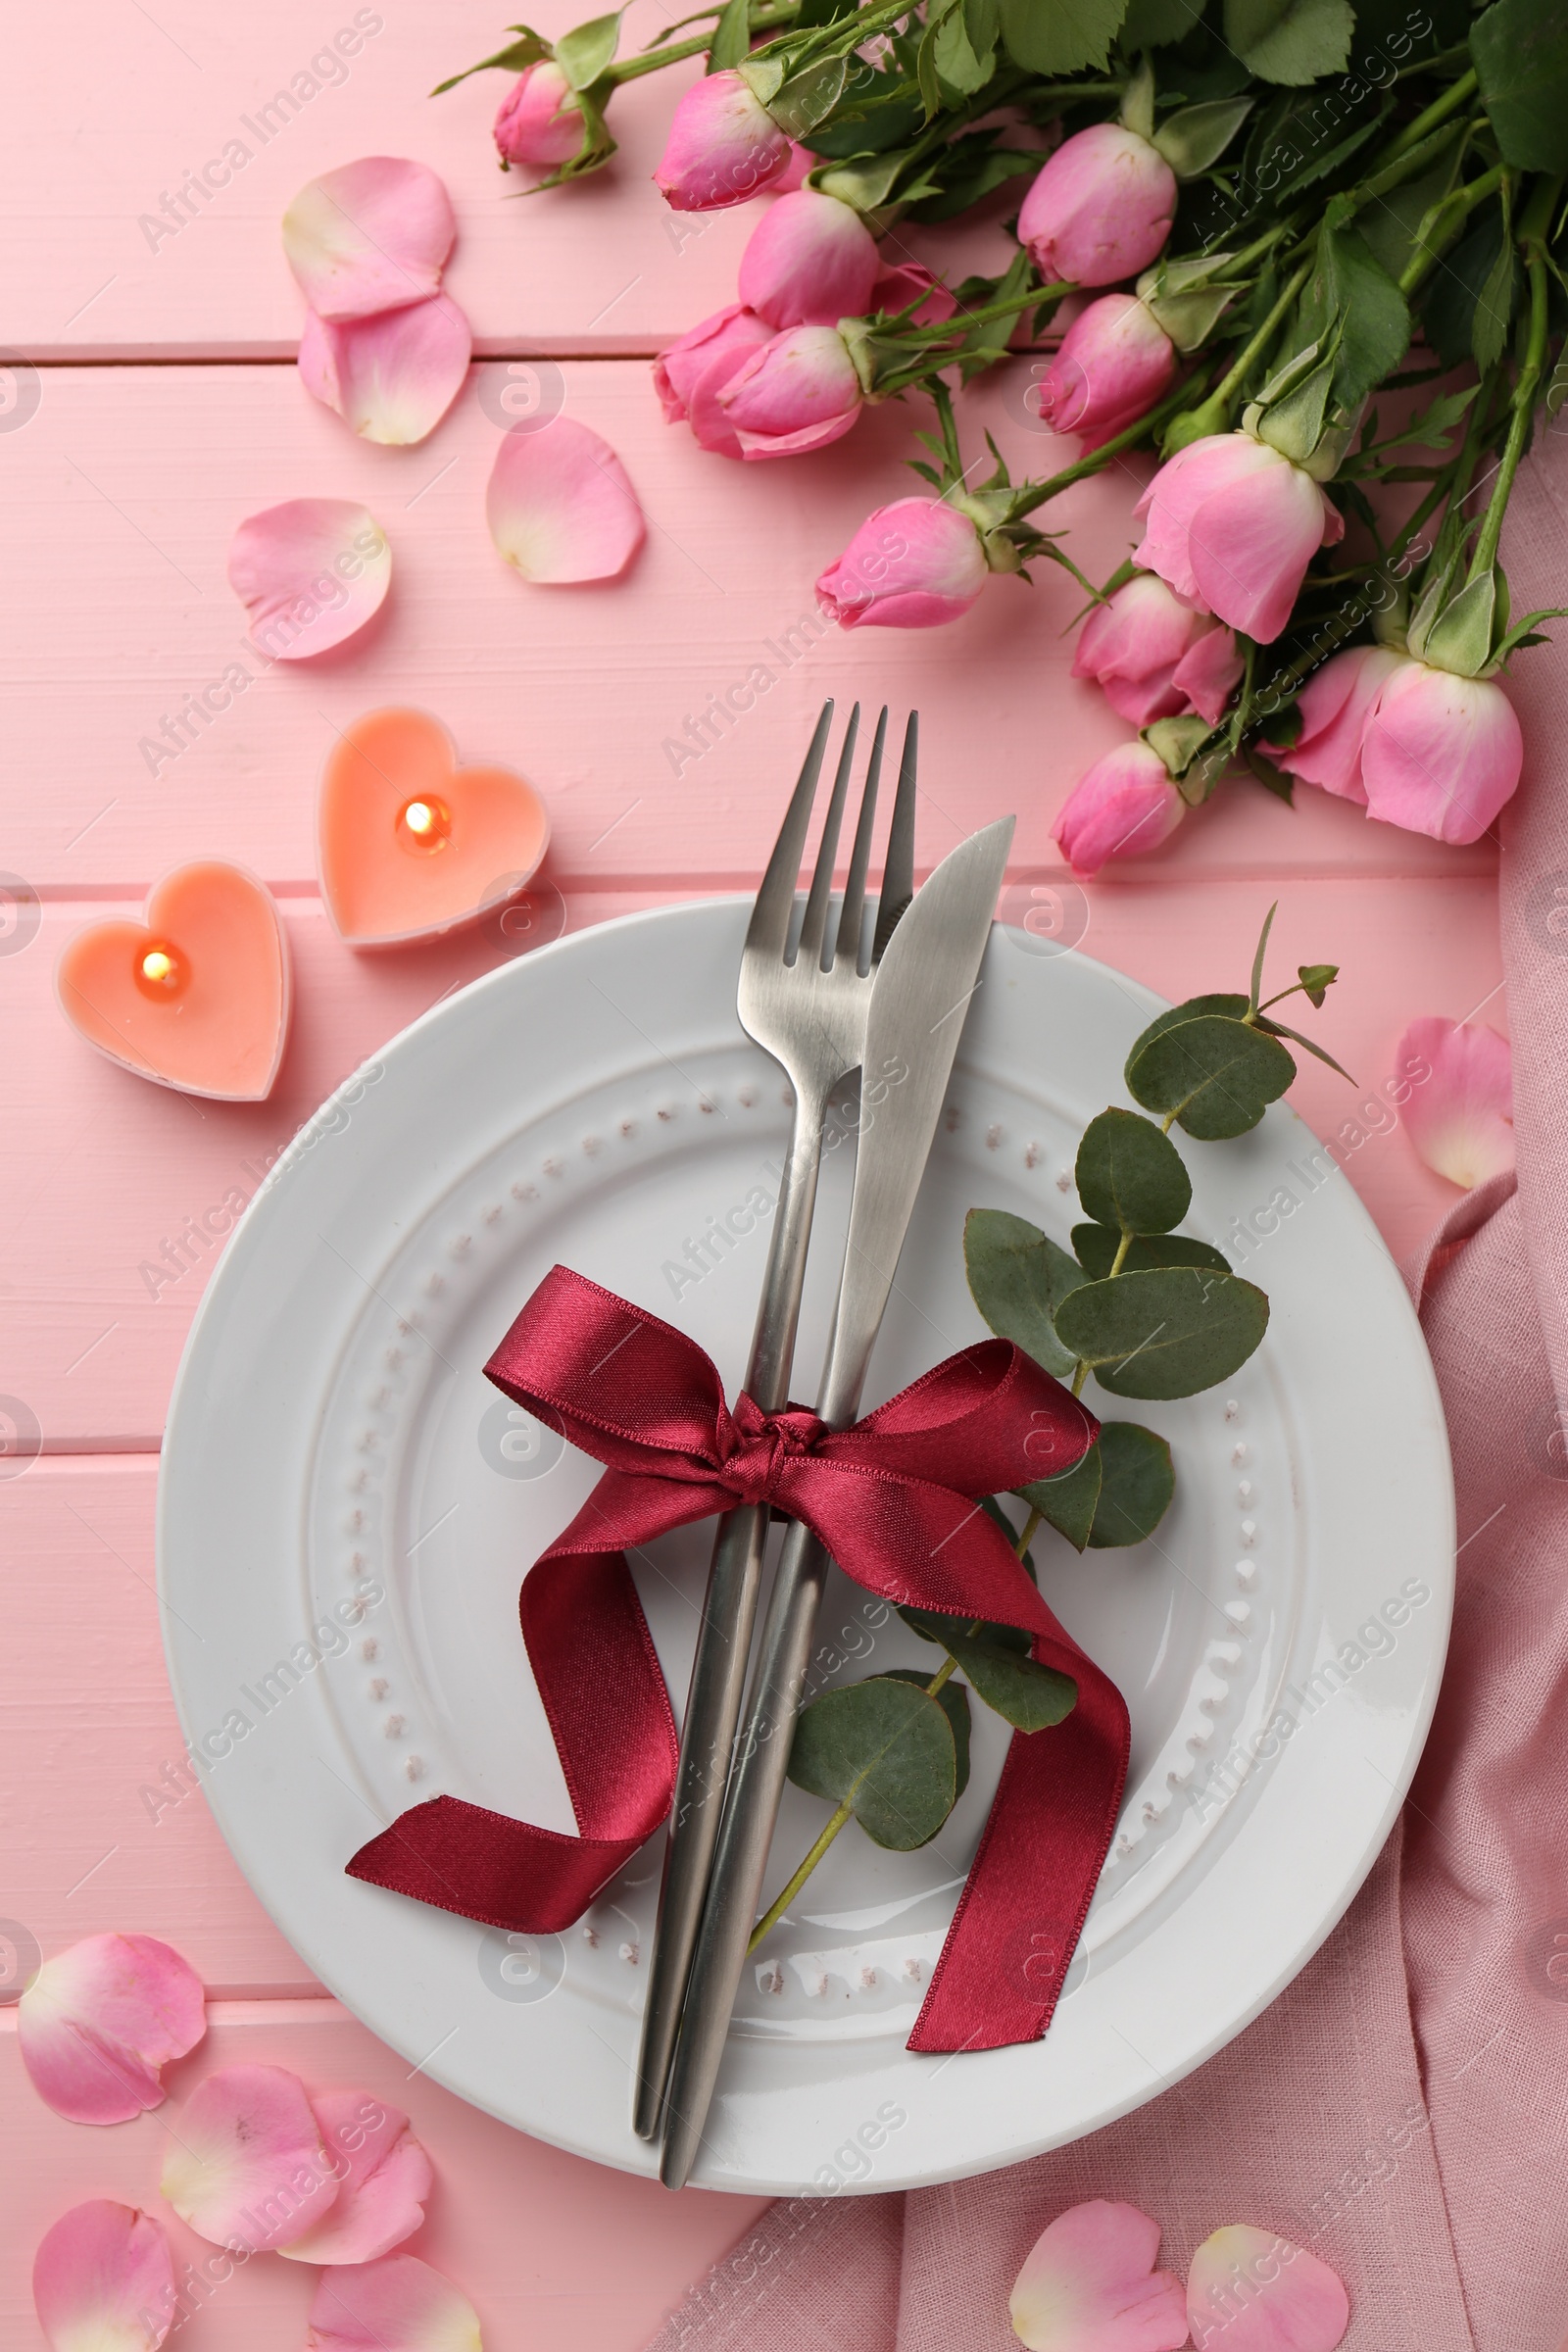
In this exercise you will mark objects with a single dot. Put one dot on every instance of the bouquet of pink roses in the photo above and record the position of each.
(1274, 218)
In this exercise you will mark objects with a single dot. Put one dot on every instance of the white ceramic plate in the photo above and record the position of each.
(332, 1438)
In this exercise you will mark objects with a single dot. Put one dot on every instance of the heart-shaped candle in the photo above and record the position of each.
(409, 844)
(195, 996)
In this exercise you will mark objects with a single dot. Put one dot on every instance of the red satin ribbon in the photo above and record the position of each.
(893, 1500)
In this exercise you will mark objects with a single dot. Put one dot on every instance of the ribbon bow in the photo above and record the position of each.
(893, 1500)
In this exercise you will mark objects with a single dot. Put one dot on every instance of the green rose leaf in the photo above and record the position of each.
(960, 68)
(1169, 1332)
(1129, 1175)
(583, 53)
(1000, 1671)
(1018, 1278)
(1290, 41)
(1520, 49)
(1350, 288)
(803, 101)
(1138, 1481)
(1453, 296)
(732, 38)
(1096, 1247)
(1206, 1064)
(1155, 24)
(1058, 37)
(1068, 1503)
(953, 1700)
(887, 1752)
(515, 57)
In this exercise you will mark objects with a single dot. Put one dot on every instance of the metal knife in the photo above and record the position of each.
(927, 977)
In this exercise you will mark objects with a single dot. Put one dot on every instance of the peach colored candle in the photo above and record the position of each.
(197, 995)
(409, 844)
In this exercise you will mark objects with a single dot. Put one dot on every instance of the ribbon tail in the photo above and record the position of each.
(1013, 1934)
(603, 1690)
(484, 1865)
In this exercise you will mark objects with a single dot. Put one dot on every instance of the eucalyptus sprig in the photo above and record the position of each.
(1149, 1313)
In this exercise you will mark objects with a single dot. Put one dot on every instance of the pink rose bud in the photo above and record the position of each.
(1413, 745)
(910, 565)
(1335, 706)
(1112, 365)
(1101, 208)
(1141, 649)
(723, 147)
(540, 121)
(812, 261)
(690, 376)
(1233, 524)
(895, 290)
(1441, 754)
(1126, 803)
(799, 392)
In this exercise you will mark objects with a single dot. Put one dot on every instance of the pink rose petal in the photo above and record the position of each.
(102, 2280)
(399, 2305)
(309, 573)
(369, 236)
(98, 2022)
(560, 505)
(1251, 2291)
(392, 377)
(247, 2167)
(1090, 2286)
(1460, 1117)
(386, 2176)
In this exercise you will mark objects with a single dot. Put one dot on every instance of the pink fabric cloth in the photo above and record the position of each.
(1402, 2108)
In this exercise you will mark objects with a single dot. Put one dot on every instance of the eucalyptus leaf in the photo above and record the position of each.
(1137, 1482)
(583, 53)
(953, 1700)
(1520, 49)
(1290, 41)
(999, 1670)
(1018, 1277)
(1068, 1502)
(1211, 1069)
(1169, 1332)
(886, 1750)
(1096, 1247)
(1059, 36)
(1131, 1176)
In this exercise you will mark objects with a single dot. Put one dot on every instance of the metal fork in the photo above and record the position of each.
(809, 1010)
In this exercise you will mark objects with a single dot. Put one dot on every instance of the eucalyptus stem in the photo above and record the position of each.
(845, 1813)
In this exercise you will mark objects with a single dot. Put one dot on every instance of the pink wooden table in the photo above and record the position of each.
(163, 410)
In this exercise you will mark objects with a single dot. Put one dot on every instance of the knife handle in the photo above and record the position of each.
(736, 1884)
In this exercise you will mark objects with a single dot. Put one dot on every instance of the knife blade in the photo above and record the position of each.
(927, 977)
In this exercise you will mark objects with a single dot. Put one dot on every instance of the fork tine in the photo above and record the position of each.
(850, 918)
(769, 925)
(898, 874)
(815, 924)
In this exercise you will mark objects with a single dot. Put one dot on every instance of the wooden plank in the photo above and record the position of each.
(102, 1828)
(155, 198)
(555, 2254)
(106, 1172)
(118, 501)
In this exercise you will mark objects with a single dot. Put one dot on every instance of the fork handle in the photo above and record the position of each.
(724, 1637)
